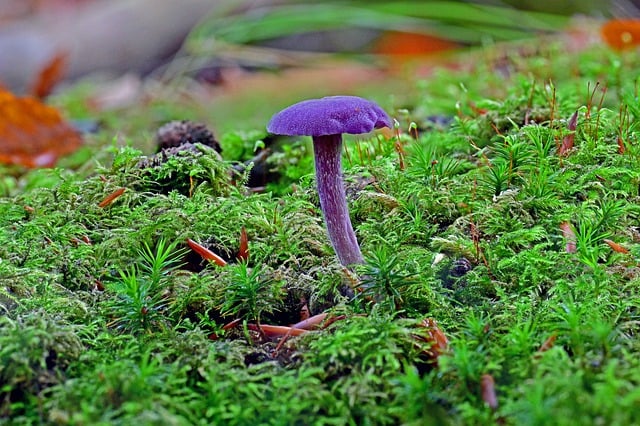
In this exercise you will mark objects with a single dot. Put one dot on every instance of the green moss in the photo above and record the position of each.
(108, 317)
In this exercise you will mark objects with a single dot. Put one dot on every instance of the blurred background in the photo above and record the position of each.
(121, 69)
(141, 36)
(264, 54)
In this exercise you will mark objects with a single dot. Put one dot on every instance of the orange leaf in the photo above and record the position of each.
(49, 76)
(206, 253)
(621, 34)
(548, 344)
(407, 44)
(616, 247)
(33, 134)
(436, 337)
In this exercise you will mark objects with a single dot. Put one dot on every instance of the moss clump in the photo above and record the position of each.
(525, 256)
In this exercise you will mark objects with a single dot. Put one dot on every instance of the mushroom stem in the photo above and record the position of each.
(333, 200)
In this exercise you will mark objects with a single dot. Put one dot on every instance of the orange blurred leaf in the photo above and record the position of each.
(408, 44)
(435, 336)
(621, 34)
(548, 344)
(616, 247)
(33, 134)
(49, 76)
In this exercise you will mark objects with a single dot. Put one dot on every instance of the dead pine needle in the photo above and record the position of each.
(111, 197)
(205, 253)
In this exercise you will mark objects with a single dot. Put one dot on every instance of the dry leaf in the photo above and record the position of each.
(407, 44)
(548, 344)
(435, 336)
(616, 247)
(33, 134)
(621, 34)
(49, 76)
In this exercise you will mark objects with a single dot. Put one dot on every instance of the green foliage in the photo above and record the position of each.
(385, 280)
(199, 167)
(441, 17)
(140, 293)
(99, 327)
(127, 389)
(250, 293)
(35, 351)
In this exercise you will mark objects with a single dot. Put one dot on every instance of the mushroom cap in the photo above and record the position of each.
(331, 115)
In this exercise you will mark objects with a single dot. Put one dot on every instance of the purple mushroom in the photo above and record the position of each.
(325, 120)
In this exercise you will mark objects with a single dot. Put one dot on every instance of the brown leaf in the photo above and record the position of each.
(621, 34)
(49, 76)
(616, 247)
(437, 338)
(548, 344)
(33, 134)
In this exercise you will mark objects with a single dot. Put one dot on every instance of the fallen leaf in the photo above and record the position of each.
(33, 134)
(616, 247)
(621, 34)
(548, 344)
(408, 44)
(49, 76)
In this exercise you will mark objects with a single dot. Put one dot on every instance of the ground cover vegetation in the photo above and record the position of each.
(500, 212)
